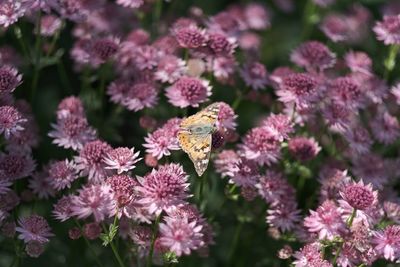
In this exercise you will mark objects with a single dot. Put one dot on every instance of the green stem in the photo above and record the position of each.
(63, 75)
(235, 241)
(186, 55)
(157, 15)
(390, 61)
(149, 261)
(349, 224)
(113, 247)
(20, 38)
(89, 245)
(309, 19)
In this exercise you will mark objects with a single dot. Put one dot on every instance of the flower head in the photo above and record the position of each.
(34, 228)
(255, 75)
(15, 166)
(387, 242)
(169, 69)
(299, 88)
(314, 56)
(188, 91)
(303, 148)
(190, 37)
(9, 79)
(61, 174)
(62, 210)
(388, 30)
(123, 187)
(122, 159)
(11, 121)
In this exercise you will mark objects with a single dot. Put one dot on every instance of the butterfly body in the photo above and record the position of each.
(195, 136)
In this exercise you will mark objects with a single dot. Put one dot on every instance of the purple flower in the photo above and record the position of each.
(299, 88)
(50, 25)
(61, 174)
(145, 57)
(15, 166)
(71, 105)
(335, 27)
(72, 132)
(62, 210)
(97, 200)
(102, 50)
(223, 67)
(11, 121)
(388, 30)
(188, 91)
(226, 163)
(346, 90)
(273, 188)
(387, 242)
(256, 16)
(313, 56)
(123, 188)
(34, 248)
(358, 62)
(190, 36)
(122, 159)
(139, 96)
(284, 216)
(280, 125)
(310, 256)
(34, 228)
(160, 142)
(180, 236)
(326, 221)
(372, 169)
(385, 128)
(11, 11)
(9, 79)
(163, 189)
(255, 75)
(130, 3)
(169, 69)
(303, 148)
(337, 116)
(39, 184)
(226, 117)
(359, 139)
(261, 145)
(220, 44)
(359, 196)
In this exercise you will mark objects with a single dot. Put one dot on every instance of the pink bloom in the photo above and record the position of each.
(392, 211)
(71, 105)
(91, 230)
(39, 184)
(122, 159)
(359, 196)
(335, 27)
(61, 174)
(226, 117)
(34, 227)
(299, 88)
(358, 62)
(226, 163)
(160, 142)
(347, 91)
(190, 36)
(279, 124)
(8, 202)
(223, 67)
(130, 3)
(50, 25)
(255, 75)
(303, 148)
(188, 91)
(145, 57)
(387, 242)
(11, 121)
(123, 188)
(90, 161)
(372, 169)
(169, 69)
(62, 210)
(256, 16)
(11, 11)
(15, 166)
(164, 188)
(359, 139)
(180, 236)
(326, 221)
(97, 200)
(385, 128)
(274, 188)
(140, 96)
(220, 44)
(102, 50)
(337, 116)
(388, 30)
(310, 256)
(396, 92)
(34, 248)
(72, 132)
(313, 56)
(9, 79)
(284, 216)
(245, 173)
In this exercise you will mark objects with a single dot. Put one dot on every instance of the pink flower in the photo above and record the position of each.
(337, 116)
(347, 91)
(180, 236)
(15, 166)
(123, 188)
(188, 91)
(299, 88)
(256, 16)
(303, 148)
(190, 36)
(71, 105)
(130, 3)
(9, 79)
(91, 230)
(310, 256)
(49, 25)
(34, 248)
(385, 128)
(140, 95)
(39, 184)
(164, 188)
(255, 75)
(11, 121)
(102, 50)
(226, 163)
(226, 117)
(359, 196)
(160, 142)
(11, 11)
(358, 62)
(62, 210)
(273, 188)
(97, 200)
(280, 125)
(359, 139)
(326, 221)
(220, 44)
(90, 161)
(388, 30)
(72, 132)
(169, 69)
(284, 216)
(61, 174)
(387, 242)
(314, 56)
(34, 228)
(122, 159)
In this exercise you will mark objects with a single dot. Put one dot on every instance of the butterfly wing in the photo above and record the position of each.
(198, 147)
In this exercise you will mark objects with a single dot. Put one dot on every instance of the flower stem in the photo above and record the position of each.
(149, 261)
(390, 61)
(113, 247)
(309, 18)
(235, 241)
(20, 38)
(349, 223)
(37, 55)
(157, 15)
(89, 245)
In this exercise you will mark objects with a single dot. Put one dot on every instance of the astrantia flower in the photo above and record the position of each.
(4, 185)
(359, 139)
(303, 148)
(34, 227)
(40, 185)
(396, 92)
(91, 230)
(273, 188)
(71, 105)
(299, 88)
(221, 44)
(11, 11)
(226, 117)
(61, 174)
(246, 173)
(97, 200)
(388, 30)
(392, 211)
(145, 57)
(256, 16)
(8, 202)
(190, 36)
(335, 27)
(387, 242)
(280, 125)
(130, 3)
(358, 62)
(169, 69)
(326, 221)
(255, 75)
(223, 68)
(11, 121)
(139, 96)
(49, 25)
(34, 248)
(372, 169)
(284, 216)
(314, 56)
(90, 160)
(226, 163)
(332, 181)
(72, 132)
(180, 236)
(347, 91)
(123, 187)
(15, 166)
(359, 196)
(160, 142)
(122, 159)
(9, 79)
(385, 128)
(188, 91)
(310, 256)
(337, 116)
(261, 145)
(164, 188)
(62, 210)
(102, 50)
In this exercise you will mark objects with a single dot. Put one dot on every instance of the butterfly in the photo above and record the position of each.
(195, 136)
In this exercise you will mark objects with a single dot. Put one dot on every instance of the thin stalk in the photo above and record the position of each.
(157, 14)
(21, 41)
(390, 61)
(349, 223)
(235, 241)
(113, 248)
(149, 261)
(308, 19)
(89, 245)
